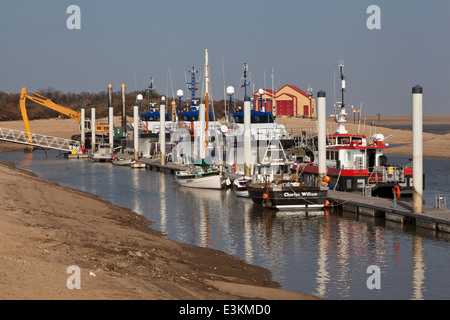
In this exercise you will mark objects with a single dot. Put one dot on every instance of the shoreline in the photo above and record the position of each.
(45, 228)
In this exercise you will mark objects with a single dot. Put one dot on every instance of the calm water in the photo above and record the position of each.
(326, 254)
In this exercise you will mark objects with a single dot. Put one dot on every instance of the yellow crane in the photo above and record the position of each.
(40, 99)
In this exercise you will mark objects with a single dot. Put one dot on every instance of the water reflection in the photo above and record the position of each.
(324, 253)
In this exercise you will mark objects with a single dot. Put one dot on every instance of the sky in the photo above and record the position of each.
(302, 41)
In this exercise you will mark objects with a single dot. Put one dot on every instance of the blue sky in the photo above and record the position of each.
(302, 41)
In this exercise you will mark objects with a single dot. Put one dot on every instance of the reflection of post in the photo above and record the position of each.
(417, 150)
(322, 275)
(162, 202)
(418, 268)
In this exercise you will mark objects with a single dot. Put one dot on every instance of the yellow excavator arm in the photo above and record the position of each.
(46, 103)
(40, 99)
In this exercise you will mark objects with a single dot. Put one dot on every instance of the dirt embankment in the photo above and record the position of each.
(45, 228)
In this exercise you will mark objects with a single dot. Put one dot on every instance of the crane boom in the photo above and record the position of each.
(40, 99)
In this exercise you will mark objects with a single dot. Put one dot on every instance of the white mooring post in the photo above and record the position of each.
(162, 130)
(83, 128)
(136, 131)
(417, 98)
(321, 134)
(93, 133)
(247, 137)
(111, 119)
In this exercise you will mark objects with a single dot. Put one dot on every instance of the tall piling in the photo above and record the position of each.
(162, 130)
(321, 134)
(247, 137)
(124, 113)
(111, 119)
(136, 131)
(417, 99)
(83, 128)
(93, 133)
(202, 133)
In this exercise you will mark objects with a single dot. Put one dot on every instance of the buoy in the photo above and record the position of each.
(327, 203)
(396, 191)
(326, 179)
(265, 196)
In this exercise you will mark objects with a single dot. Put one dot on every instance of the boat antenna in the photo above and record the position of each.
(342, 115)
(246, 84)
(341, 69)
(150, 88)
(193, 85)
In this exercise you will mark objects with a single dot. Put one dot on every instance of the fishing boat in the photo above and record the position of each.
(274, 187)
(287, 195)
(355, 163)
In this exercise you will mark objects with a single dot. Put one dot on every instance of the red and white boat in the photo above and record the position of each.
(355, 163)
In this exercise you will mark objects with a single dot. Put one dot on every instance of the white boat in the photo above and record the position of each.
(117, 161)
(137, 164)
(198, 177)
(240, 186)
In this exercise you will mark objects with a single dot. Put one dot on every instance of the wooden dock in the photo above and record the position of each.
(155, 164)
(431, 218)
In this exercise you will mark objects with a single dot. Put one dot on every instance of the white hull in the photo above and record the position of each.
(210, 182)
(122, 162)
(240, 190)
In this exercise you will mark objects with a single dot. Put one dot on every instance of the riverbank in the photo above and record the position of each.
(45, 228)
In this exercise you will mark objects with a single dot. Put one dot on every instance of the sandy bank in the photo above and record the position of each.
(45, 228)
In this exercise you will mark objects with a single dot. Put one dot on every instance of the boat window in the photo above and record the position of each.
(332, 155)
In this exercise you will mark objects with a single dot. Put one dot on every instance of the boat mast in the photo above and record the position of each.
(206, 95)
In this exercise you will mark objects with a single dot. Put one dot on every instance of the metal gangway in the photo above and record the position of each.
(39, 140)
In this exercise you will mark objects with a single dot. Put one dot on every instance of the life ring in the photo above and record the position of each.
(396, 191)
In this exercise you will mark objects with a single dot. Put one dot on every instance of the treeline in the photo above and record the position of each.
(10, 109)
